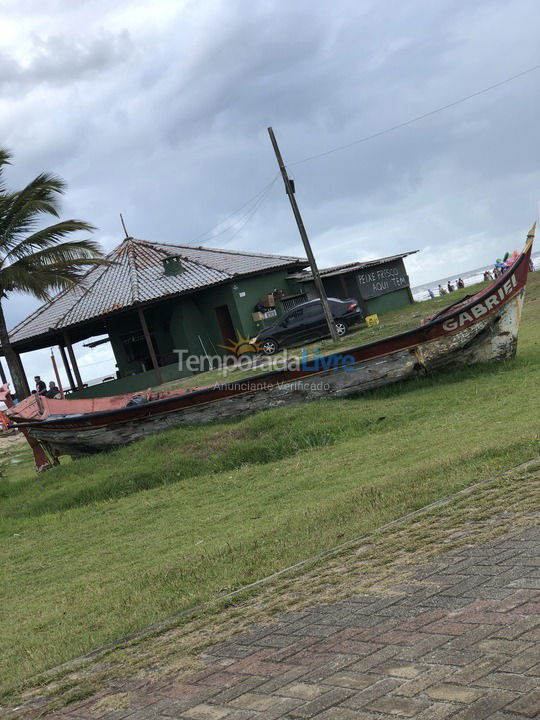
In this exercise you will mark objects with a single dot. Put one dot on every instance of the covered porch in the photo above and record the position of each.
(154, 303)
(156, 367)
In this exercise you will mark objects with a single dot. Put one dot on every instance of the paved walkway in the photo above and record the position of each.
(462, 641)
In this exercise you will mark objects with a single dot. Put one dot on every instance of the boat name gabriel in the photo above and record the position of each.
(481, 308)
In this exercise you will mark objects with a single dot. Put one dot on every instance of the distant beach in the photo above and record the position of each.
(471, 277)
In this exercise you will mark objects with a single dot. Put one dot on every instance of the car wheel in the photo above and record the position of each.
(341, 328)
(269, 347)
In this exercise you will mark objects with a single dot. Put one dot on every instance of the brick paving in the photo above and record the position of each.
(461, 641)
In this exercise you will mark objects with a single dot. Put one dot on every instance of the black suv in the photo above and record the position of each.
(307, 322)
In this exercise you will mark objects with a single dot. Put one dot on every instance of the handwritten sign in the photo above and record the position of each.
(382, 279)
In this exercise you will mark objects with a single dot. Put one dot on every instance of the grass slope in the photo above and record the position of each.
(103, 546)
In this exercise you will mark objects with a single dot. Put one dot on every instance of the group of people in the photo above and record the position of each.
(41, 389)
(497, 271)
(450, 287)
(501, 266)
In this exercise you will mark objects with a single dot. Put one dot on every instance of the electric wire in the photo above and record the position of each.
(413, 120)
(254, 209)
(253, 199)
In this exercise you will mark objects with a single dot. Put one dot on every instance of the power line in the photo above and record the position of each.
(417, 118)
(254, 208)
(255, 198)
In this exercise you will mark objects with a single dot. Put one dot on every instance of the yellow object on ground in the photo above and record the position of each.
(372, 320)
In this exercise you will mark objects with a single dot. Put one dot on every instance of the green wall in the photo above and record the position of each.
(378, 305)
(185, 325)
(390, 301)
(190, 323)
(254, 288)
(182, 323)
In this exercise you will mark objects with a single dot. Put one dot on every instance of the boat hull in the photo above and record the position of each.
(490, 338)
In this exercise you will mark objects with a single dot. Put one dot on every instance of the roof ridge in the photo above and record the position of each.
(133, 270)
(154, 246)
(221, 250)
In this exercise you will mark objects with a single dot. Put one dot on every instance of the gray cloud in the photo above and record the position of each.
(160, 112)
(59, 60)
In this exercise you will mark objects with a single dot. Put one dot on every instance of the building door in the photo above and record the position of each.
(225, 323)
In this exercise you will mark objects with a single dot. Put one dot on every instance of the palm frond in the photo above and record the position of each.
(5, 157)
(39, 261)
(20, 211)
(50, 236)
(71, 250)
(41, 275)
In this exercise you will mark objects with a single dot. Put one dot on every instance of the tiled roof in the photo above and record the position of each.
(351, 267)
(137, 276)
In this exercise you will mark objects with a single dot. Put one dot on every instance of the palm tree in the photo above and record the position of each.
(37, 260)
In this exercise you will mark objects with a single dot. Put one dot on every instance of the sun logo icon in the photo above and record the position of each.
(241, 346)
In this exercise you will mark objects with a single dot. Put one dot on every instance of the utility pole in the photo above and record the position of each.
(303, 234)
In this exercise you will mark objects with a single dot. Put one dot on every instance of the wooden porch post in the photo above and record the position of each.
(66, 367)
(2, 374)
(23, 372)
(73, 361)
(150, 346)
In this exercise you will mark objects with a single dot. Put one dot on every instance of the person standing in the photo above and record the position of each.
(41, 388)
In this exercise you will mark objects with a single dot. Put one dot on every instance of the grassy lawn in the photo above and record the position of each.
(103, 546)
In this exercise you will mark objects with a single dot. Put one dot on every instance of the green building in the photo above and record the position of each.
(378, 285)
(157, 303)
(167, 309)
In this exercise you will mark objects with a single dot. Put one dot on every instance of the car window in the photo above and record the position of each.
(312, 312)
(294, 318)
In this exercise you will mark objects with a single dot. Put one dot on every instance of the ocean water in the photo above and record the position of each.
(469, 278)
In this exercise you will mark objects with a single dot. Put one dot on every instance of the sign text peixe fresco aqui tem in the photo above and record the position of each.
(385, 279)
(482, 308)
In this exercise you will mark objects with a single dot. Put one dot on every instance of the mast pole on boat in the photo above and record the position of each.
(67, 368)
(303, 234)
(57, 375)
(73, 359)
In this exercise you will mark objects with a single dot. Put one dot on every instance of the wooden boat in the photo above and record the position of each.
(478, 329)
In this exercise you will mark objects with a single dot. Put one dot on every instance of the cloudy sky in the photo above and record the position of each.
(159, 110)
